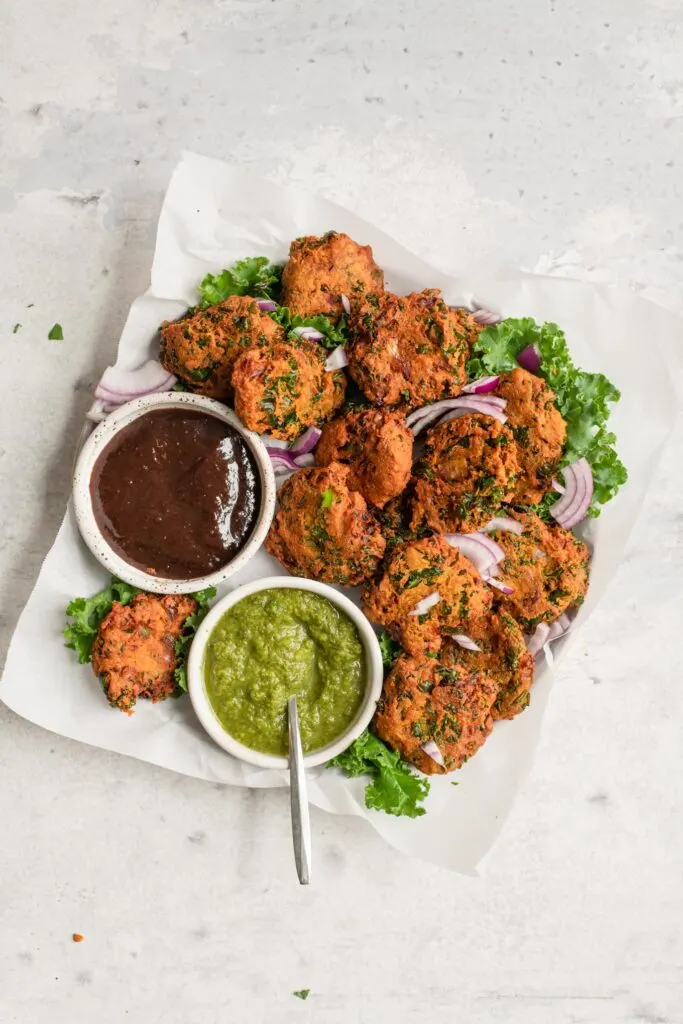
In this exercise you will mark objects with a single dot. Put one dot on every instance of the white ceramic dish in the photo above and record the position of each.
(202, 705)
(85, 515)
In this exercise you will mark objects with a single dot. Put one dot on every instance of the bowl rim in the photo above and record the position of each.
(82, 500)
(202, 705)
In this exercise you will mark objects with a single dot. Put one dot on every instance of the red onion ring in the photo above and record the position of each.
(465, 642)
(282, 460)
(267, 305)
(455, 407)
(308, 333)
(337, 359)
(479, 549)
(428, 602)
(481, 386)
(345, 303)
(504, 588)
(307, 442)
(505, 524)
(483, 406)
(575, 502)
(303, 461)
(530, 359)
(117, 385)
(431, 750)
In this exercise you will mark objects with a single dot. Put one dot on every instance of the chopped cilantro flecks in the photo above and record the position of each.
(16, 328)
(328, 497)
(333, 335)
(56, 333)
(393, 788)
(582, 398)
(302, 993)
(390, 649)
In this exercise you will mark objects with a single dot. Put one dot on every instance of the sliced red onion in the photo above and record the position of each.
(267, 305)
(538, 638)
(575, 502)
(481, 386)
(486, 317)
(465, 642)
(423, 606)
(345, 303)
(473, 404)
(282, 460)
(337, 359)
(99, 411)
(557, 486)
(455, 407)
(307, 442)
(305, 460)
(499, 585)
(479, 549)
(431, 750)
(530, 359)
(505, 524)
(118, 385)
(308, 333)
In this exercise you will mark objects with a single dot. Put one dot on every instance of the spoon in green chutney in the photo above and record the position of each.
(301, 824)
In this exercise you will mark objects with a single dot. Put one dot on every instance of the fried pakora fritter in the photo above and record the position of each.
(413, 571)
(503, 657)
(410, 350)
(320, 270)
(134, 650)
(470, 465)
(538, 428)
(323, 530)
(377, 446)
(437, 700)
(201, 349)
(282, 389)
(546, 566)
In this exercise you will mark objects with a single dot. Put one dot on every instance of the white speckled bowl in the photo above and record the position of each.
(85, 515)
(202, 704)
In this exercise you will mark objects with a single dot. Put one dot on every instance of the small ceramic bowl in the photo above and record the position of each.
(85, 516)
(202, 705)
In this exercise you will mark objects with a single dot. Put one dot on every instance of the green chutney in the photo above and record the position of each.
(278, 644)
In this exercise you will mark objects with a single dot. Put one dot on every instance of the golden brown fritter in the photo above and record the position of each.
(537, 427)
(410, 350)
(323, 530)
(435, 700)
(320, 270)
(201, 349)
(503, 657)
(547, 568)
(413, 571)
(285, 388)
(134, 650)
(470, 465)
(377, 446)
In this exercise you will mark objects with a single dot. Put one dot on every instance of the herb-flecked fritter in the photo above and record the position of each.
(282, 389)
(323, 530)
(538, 429)
(469, 467)
(438, 700)
(503, 657)
(134, 652)
(320, 270)
(201, 349)
(546, 566)
(413, 571)
(410, 350)
(377, 446)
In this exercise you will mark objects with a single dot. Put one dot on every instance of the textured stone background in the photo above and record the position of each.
(544, 134)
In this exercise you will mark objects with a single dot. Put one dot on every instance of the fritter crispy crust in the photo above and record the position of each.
(134, 650)
(538, 429)
(320, 270)
(378, 448)
(323, 530)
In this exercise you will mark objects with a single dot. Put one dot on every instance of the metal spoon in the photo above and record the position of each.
(301, 824)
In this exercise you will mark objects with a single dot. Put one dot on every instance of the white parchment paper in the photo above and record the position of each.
(214, 214)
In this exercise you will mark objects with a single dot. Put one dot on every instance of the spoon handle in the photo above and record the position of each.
(301, 824)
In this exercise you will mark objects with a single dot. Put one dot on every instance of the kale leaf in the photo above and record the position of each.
(393, 788)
